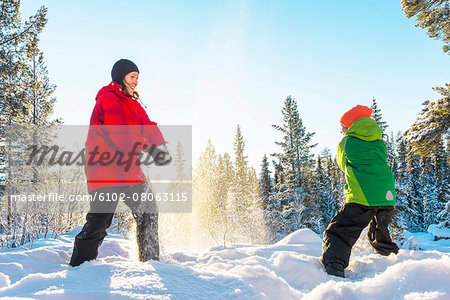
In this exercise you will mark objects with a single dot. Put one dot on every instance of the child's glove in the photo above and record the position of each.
(161, 155)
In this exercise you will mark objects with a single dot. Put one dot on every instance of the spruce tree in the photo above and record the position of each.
(265, 184)
(441, 179)
(432, 15)
(321, 199)
(223, 185)
(403, 212)
(16, 41)
(206, 206)
(377, 116)
(243, 195)
(38, 90)
(335, 186)
(414, 192)
(240, 163)
(25, 99)
(444, 216)
(239, 192)
(273, 214)
(390, 144)
(278, 174)
(428, 195)
(293, 192)
(392, 157)
(432, 126)
(38, 108)
(178, 225)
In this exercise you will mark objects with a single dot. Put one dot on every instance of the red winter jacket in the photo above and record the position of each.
(119, 130)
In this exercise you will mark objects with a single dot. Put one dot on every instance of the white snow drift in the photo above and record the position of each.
(289, 269)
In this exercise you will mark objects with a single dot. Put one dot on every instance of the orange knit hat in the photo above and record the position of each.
(357, 112)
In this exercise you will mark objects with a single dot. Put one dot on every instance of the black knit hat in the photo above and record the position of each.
(121, 68)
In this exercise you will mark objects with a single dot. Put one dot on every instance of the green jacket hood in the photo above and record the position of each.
(365, 129)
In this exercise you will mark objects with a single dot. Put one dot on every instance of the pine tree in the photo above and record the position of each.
(327, 195)
(428, 194)
(432, 125)
(432, 15)
(414, 193)
(278, 179)
(444, 215)
(38, 90)
(442, 162)
(206, 205)
(178, 226)
(403, 212)
(273, 213)
(244, 202)
(321, 199)
(441, 180)
(447, 151)
(25, 94)
(293, 192)
(390, 144)
(334, 188)
(239, 197)
(240, 163)
(38, 106)
(265, 184)
(377, 116)
(392, 159)
(16, 40)
(257, 232)
(224, 184)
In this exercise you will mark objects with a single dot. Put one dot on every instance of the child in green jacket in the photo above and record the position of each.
(370, 192)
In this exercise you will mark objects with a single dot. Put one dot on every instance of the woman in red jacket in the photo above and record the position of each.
(119, 131)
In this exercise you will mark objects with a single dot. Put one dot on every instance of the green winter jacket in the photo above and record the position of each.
(362, 156)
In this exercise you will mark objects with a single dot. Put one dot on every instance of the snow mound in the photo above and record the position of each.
(4, 280)
(300, 236)
(289, 269)
(425, 241)
(443, 233)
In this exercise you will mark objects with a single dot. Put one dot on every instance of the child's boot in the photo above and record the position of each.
(335, 269)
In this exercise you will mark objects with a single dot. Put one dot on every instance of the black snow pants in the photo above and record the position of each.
(100, 217)
(345, 229)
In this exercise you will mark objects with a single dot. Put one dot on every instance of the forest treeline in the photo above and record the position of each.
(232, 201)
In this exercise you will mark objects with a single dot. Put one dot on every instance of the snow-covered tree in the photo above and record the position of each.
(322, 198)
(293, 189)
(403, 210)
(433, 124)
(444, 215)
(377, 116)
(26, 101)
(207, 206)
(243, 197)
(265, 184)
(429, 193)
(389, 141)
(413, 193)
(436, 200)
(432, 15)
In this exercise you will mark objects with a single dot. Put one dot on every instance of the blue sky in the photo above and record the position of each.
(216, 64)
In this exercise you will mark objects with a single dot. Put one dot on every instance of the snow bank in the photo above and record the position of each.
(443, 233)
(425, 241)
(299, 237)
(289, 269)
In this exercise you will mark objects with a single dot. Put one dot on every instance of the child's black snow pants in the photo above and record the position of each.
(345, 228)
(100, 217)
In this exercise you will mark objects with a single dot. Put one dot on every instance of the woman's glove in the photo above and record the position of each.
(161, 155)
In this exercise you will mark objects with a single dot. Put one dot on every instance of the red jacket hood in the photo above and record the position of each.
(112, 87)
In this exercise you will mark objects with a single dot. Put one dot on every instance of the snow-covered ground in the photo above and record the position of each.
(289, 269)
